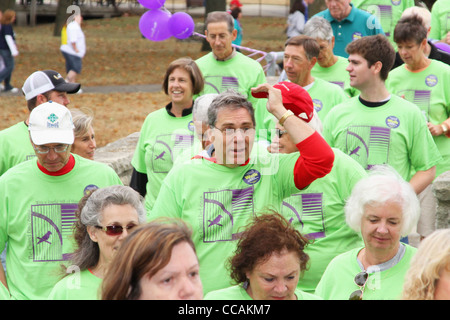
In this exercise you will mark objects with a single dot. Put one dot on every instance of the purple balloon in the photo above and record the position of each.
(181, 25)
(152, 4)
(154, 25)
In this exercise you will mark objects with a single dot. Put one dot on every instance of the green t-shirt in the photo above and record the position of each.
(388, 13)
(239, 73)
(81, 285)
(163, 138)
(429, 89)
(218, 201)
(395, 133)
(37, 212)
(239, 293)
(318, 213)
(15, 146)
(337, 282)
(323, 103)
(336, 74)
(4, 293)
(440, 19)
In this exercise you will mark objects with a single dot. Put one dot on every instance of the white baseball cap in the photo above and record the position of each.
(51, 122)
(40, 82)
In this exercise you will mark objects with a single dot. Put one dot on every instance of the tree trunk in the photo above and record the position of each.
(210, 6)
(62, 15)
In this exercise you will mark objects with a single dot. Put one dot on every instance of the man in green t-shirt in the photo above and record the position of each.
(378, 127)
(225, 68)
(329, 66)
(219, 195)
(40, 87)
(300, 56)
(38, 200)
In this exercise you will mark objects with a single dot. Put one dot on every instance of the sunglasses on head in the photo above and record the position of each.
(115, 230)
(360, 280)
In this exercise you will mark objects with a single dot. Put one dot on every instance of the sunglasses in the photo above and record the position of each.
(280, 132)
(360, 280)
(115, 230)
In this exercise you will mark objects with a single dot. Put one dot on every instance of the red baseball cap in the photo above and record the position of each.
(295, 98)
(236, 3)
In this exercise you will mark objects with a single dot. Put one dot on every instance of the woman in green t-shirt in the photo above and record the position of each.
(105, 218)
(382, 207)
(268, 262)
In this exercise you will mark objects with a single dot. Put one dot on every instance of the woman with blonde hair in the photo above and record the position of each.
(84, 143)
(428, 277)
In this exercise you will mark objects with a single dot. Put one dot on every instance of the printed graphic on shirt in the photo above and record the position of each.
(305, 213)
(51, 227)
(166, 149)
(368, 145)
(339, 83)
(318, 105)
(220, 84)
(420, 98)
(224, 212)
(384, 15)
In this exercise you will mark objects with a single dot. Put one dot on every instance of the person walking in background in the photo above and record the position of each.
(75, 48)
(237, 15)
(296, 19)
(8, 49)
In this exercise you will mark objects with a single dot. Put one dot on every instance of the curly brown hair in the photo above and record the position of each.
(268, 233)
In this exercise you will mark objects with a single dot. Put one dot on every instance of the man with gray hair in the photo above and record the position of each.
(225, 68)
(300, 56)
(38, 200)
(217, 196)
(329, 66)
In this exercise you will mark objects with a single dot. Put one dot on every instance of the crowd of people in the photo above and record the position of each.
(308, 189)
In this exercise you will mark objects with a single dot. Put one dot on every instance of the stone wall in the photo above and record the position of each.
(441, 190)
(118, 155)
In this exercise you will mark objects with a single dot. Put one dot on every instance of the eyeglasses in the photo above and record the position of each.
(280, 132)
(360, 280)
(115, 230)
(45, 149)
(231, 132)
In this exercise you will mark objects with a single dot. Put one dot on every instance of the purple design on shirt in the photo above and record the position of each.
(339, 83)
(368, 145)
(224, 212)
(305, 212)
(220, 84)
(51, 226)
(166, 148)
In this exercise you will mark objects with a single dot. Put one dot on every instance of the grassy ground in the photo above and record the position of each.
(117, 55)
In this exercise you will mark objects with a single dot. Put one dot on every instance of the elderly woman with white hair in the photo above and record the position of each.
(383, 208)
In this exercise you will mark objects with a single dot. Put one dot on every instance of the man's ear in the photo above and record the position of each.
(234, 34)
(377, 66)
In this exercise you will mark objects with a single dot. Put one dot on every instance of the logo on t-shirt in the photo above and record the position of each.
(318, 105)
(252, 176)
(431, 80)
(191, 126)
(89, 189)
(396, 2)
(356, 36)
(392, 122)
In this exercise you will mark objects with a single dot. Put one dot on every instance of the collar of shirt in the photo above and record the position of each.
(231, 56)
(184, 113)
